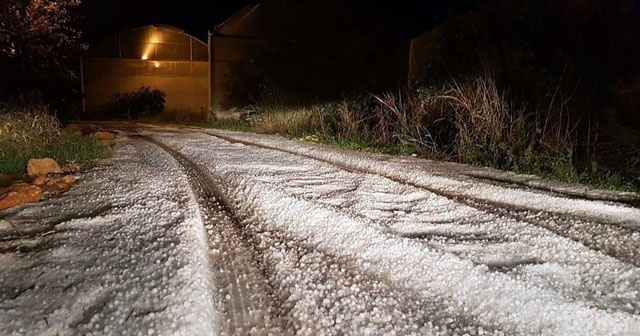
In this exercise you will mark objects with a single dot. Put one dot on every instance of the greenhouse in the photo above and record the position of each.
(156, 56)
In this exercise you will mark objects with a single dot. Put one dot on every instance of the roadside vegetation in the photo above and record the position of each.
(470, 121)
(528, 86)
(39, 86)
(30, 131)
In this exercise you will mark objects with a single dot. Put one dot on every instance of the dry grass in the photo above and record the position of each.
(346, 120)
(31, 132)
(403, 118)
(488, 128)
(491, 131)
(288, 121)
(471, 121)
(26, 129)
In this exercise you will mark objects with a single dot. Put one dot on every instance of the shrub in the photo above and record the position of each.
(488, 130)
(142, 102)
(491, 130)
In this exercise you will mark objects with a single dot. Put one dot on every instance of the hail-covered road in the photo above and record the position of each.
(202, 232)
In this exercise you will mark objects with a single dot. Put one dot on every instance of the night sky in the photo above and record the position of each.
(102, 18)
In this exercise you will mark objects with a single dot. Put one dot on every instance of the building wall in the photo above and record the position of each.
(420, 48)
(231, 45)
(185, 83)
(229, 56)
(160, 57)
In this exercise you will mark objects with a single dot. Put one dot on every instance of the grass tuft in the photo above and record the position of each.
(226, 124)
(292, 122)
(28, 132)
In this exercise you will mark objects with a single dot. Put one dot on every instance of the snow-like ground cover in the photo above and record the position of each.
(452, 268)
(123, 253)
(449, 178)
(387, 246)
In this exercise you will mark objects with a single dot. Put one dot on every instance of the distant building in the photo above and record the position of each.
(157, 56)
(203, 80)
(231, 45)
(198, 78)
(419, 49)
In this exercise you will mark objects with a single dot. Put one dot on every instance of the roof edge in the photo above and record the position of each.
(239, 15)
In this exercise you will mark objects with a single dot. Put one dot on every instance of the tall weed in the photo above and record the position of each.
(470, 121)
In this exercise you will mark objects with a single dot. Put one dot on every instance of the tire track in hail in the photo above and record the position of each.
(243, 297)
(615, 241)
(423, 313)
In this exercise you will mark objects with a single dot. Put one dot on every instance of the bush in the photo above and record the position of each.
(489, 130)
(143, 102)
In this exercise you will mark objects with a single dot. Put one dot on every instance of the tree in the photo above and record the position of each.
(323, 50)
(39, 48)
(40, 33)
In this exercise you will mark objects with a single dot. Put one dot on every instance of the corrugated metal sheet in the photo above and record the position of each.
(153, 43)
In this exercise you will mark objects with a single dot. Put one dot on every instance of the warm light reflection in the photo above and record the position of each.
(150, 47)
(156, 64)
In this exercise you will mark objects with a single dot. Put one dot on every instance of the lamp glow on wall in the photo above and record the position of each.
(150, 47)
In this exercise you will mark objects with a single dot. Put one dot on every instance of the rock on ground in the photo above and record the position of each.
(103, 136)
(19, 194)
(42, 167)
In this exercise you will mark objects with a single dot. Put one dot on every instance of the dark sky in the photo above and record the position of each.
(412, 17)
(102, 18)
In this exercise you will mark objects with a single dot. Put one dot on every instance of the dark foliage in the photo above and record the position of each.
(39, 50)
(143, 102)
(577, 59)
(321, 50)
